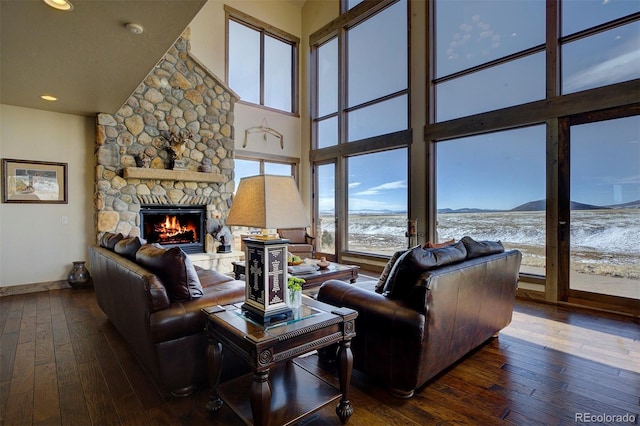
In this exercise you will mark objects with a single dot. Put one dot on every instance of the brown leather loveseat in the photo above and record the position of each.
(429, 308)
(153, 296)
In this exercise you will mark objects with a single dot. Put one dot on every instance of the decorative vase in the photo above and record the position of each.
(323, 264)
(79, 276)
(295, 299)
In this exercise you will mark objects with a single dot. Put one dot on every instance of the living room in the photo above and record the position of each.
(40, 241)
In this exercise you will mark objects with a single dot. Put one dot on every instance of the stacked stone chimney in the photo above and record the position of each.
(134, 164)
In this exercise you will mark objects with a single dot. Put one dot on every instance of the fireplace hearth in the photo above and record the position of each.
(170, 226)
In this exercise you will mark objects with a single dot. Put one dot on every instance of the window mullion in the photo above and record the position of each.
(552, 49)
(262, 73)
(343, 86)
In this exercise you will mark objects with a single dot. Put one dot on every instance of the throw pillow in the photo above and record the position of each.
(416, 261)
(109, 240)
(481, 248)
(128, 247)
(175, 270)
(387, 270)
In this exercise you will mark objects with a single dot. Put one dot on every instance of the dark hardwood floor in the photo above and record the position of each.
(61, 362)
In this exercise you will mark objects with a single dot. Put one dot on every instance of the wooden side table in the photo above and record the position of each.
(269, 349)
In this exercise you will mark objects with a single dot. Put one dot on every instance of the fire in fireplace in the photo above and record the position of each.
(170, 226)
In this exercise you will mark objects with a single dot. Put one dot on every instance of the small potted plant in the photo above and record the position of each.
(294, 284)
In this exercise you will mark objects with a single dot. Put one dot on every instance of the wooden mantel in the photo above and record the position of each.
(175, 175)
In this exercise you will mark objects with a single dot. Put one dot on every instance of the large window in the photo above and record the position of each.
(492, 187)
(327, 94)
(361, 104)
(326, 207)
(377, 202)
(489, 55)
(533, 120)
(262, 62)
(605, 207)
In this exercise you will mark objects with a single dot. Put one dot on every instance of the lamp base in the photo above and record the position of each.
(262, 317)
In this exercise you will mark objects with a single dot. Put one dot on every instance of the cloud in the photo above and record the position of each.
(398, 184)
(367, 192)
(622, 67)
(354, 184)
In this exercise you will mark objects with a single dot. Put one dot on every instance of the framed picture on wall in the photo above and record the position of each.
(25, 181)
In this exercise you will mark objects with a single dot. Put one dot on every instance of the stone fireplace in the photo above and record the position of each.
(136, 169)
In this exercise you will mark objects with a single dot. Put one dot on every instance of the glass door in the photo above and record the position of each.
(325, 219)
(604, 224)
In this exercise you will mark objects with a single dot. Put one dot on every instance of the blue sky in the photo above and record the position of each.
(506, 169)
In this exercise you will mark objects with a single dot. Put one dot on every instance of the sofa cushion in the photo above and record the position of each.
(481, 248)
(417, 260)
(384, 276)
(128, 247)
(158, 297)
(211, 277)
(109, 240)
(175, 270)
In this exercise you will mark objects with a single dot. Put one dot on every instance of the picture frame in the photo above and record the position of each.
(25, 181)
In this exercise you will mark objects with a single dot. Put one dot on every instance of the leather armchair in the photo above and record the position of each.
(301, 242)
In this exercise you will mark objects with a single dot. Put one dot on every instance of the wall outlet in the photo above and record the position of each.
(65, 220)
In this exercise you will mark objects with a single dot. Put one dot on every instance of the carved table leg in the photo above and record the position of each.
(344, 410)
(260, 398)
(214, 367)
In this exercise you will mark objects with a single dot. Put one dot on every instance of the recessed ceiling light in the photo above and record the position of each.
(60, 4)
(49, 98)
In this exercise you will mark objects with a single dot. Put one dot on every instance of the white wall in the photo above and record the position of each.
(35, 246)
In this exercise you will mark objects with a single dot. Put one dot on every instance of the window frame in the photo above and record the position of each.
(339, 153)
(265, 29)
(556, 111)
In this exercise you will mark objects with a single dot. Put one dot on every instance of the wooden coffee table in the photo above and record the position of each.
(335, 271)
(270, 351)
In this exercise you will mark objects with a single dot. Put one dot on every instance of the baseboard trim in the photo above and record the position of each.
(33, 288)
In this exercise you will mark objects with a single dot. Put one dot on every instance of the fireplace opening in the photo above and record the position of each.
(171, 226)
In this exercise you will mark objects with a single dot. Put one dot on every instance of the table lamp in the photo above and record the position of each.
(267, 202)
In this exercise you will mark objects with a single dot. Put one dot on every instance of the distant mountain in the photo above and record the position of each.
(629, 205)
(540, 205)
(531, 206)
(466, 210)
(377, 212)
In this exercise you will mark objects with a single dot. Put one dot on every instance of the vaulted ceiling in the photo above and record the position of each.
(85, 57)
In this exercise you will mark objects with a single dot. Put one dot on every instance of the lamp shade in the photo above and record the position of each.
(268, 202)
